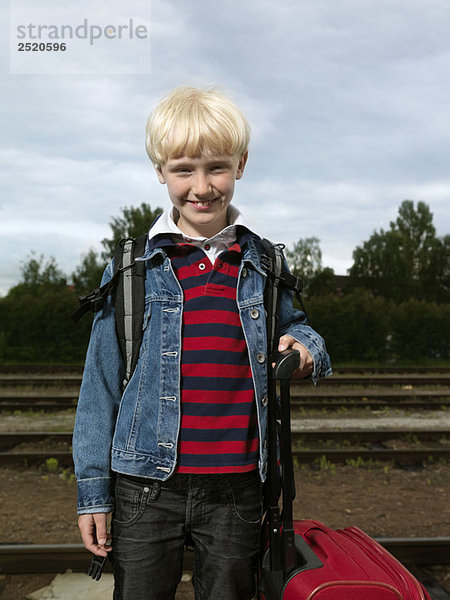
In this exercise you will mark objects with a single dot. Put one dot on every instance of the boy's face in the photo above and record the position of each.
(201, 188)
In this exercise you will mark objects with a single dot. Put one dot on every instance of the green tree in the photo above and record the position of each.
(420, 329)
(35, 316)
(305, 261)
(38, 273)
(88, 274)
(437, 276)
(407, 261)
(41, 271)
(355, 327)
(134, 221)
(322, 283)
(305, 258)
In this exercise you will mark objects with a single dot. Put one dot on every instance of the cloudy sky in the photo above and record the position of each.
(348, 102)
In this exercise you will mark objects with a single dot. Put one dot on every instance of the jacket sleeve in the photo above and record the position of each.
(98, 403)
(293, 322)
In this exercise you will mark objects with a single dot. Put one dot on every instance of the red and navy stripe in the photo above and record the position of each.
(219, 429)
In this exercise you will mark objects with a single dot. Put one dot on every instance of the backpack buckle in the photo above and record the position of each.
(292, 282)
(95, 300)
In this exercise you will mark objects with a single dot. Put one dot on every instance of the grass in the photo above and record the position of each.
(51, 465)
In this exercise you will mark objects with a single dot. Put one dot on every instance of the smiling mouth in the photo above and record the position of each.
(202, 204)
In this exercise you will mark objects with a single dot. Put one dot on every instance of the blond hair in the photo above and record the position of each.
(191, 121)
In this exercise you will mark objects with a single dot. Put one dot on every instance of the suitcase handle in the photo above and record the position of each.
(287, 362)
(307, 559)
(283, 370)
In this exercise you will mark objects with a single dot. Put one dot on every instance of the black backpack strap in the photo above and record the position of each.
(127, 286)
(94, 301)
(284, 278)
(129, 300)
(272, 261)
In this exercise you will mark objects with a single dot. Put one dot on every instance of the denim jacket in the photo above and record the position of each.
(136, 431)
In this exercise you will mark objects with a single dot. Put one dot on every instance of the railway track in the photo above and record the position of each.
(11, 439)
(28, 388)
(301, 397)
(78, 369)
(336, 444)
(64, 380)
(299, 405)
(47, 402)
(308, 445)
(52, 558)
(40, 380)
(338, 456)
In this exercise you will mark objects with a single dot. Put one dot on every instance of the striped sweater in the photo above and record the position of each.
(219, 432)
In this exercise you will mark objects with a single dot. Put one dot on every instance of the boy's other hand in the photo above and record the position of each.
(93, 528)
(306, 361)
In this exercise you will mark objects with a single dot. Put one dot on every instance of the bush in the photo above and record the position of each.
(355, 326)
(420, 329)
(363, 328)
(36, 326)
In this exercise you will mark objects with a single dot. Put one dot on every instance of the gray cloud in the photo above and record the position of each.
(348, 104)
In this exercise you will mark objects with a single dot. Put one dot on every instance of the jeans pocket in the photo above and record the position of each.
(129, 504)
(246, 501)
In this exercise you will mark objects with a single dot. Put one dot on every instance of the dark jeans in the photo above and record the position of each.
(151, 521)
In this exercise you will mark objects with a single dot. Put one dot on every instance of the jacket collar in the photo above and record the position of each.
(164, 232)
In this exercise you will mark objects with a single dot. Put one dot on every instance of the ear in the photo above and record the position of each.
(241, 165)
(159, 174)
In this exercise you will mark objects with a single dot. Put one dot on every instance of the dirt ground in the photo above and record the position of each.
(382, 499)
(38, 506)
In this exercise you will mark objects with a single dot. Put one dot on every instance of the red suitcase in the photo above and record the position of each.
(345, 564)
(306, 560)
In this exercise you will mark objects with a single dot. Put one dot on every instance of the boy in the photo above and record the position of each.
(182, 450)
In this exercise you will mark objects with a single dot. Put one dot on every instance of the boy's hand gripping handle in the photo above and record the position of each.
(286, 364)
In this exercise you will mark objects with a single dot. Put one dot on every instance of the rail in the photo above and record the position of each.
(360, 370)
(73, 379)
(301, 397)
(334, 455)
(52, 558)
(361, 436)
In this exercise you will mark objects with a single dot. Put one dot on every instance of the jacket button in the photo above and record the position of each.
(202, 266)
(264, 401)
(261, 357)
(254, 313)
(244, 272)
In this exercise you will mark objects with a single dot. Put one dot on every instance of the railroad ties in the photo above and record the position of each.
(323, 415)
(58, 390)
(338, 446)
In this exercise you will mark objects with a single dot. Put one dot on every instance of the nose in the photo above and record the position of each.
(201, 185)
